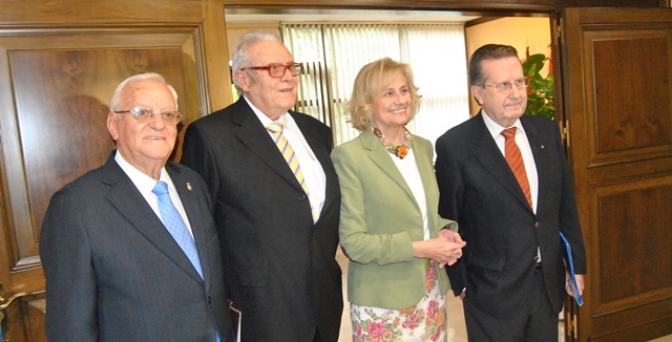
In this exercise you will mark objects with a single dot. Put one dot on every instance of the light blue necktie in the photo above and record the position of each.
(175, 225)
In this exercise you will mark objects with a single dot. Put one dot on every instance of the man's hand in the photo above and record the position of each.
(579, 284)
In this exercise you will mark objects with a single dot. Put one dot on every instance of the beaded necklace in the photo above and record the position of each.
(400, 151)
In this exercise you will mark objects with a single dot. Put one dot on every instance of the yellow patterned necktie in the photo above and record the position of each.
(288, 153)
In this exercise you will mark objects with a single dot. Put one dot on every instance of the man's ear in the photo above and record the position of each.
(112, 125)
(477, 93)
(244, 80)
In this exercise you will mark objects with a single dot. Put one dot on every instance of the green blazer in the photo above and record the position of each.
(380, 219)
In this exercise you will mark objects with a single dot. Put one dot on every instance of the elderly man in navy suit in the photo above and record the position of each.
(504, 178)
(129, 250)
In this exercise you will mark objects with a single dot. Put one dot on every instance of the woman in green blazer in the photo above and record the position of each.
(389, 223)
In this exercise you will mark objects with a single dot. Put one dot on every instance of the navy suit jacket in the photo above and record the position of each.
(280, 267)
(113, 271)
(479, 191)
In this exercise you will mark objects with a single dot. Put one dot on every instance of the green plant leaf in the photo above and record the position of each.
(540, 90)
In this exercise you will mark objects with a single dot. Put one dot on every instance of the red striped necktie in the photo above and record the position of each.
(515, 160)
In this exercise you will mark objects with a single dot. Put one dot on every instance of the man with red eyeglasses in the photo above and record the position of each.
(276, 198)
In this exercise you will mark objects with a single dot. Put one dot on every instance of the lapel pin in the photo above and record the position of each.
(189, 186)
(542, 146)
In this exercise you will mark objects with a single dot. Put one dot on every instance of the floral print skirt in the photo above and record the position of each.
(425, 321)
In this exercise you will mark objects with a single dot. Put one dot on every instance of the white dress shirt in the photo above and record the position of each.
(525, 151)
(145, 184)
(312, 170)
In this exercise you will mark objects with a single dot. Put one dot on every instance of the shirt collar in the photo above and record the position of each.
(265, 120)
(495, 129)
(143, 182)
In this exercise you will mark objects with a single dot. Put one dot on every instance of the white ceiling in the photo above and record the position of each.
(335, 15)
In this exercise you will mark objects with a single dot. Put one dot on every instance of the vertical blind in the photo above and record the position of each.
(332, 54)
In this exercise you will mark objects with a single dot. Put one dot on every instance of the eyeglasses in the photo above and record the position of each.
(506, 87)
(144, 114)
(278, 70)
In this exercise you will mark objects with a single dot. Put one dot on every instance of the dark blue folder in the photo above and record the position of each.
(570, 266)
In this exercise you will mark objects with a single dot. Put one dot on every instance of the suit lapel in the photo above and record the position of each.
(538, 144)
(492, 159)
(124, 196)
(192, 203)
(381, 158)
(254, 136)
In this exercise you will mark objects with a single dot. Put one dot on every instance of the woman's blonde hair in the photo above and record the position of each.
(371, 80)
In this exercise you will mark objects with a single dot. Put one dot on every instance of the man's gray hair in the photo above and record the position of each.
(240, 57)
(115, 103)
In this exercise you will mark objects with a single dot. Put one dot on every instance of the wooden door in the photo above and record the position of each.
(58, 69)
(617, 70)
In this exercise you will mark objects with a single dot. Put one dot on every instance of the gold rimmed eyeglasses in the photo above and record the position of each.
(144, 114)
(505, 87)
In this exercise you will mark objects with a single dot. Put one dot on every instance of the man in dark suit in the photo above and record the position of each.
(511, 275)
(114, 270)
(278, 224)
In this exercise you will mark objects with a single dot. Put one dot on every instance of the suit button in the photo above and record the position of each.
(209, 300)
(302, 197)
(536, 224)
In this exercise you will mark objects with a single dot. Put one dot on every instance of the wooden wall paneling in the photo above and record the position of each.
(85, 12)
(216, 76)
(478, 5)
(403, 4)
(64, 135)
(646, 92)
(631, 280)
(623, 250)
(207, 15)
(617, 67)
(35, 307)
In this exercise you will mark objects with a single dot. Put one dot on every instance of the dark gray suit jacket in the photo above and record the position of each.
(280, 267)
(480, 192)
(113, 271)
